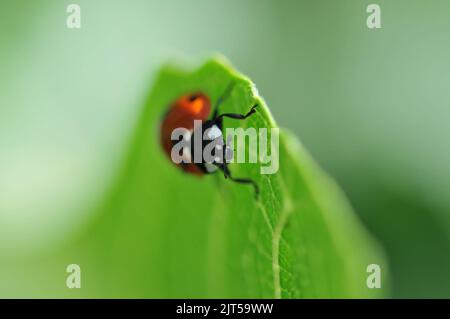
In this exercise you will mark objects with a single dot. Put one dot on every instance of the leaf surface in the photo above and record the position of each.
(169, 234)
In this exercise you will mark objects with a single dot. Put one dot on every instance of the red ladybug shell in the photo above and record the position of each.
(182, 113)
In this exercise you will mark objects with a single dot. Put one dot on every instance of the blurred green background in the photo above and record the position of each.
(372, 106)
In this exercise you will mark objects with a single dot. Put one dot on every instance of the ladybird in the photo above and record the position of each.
(197, 106)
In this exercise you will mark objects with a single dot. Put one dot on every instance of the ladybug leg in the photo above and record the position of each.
(227, 175)
(222, 98)
(236, 116)
(219, 122)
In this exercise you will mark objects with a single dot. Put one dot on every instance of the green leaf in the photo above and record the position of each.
(170, 234)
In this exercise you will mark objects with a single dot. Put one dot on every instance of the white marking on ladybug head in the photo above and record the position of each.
(210, 168)
(187, 135)
(213, 132)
